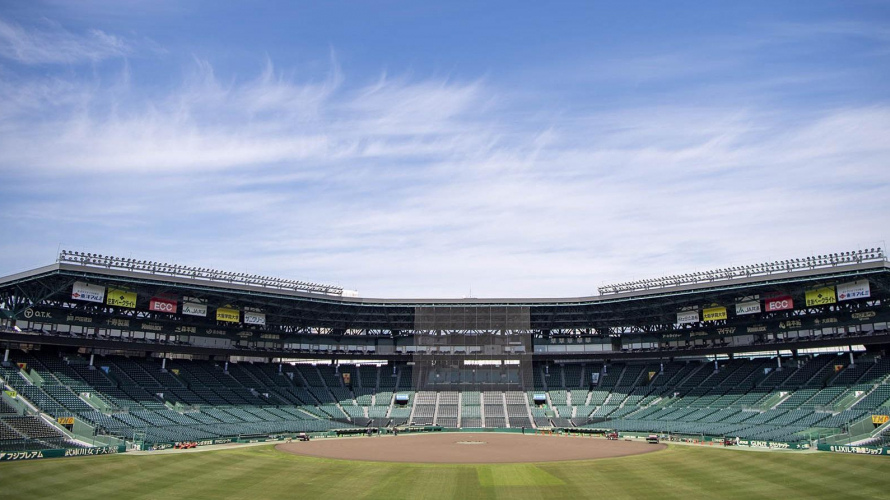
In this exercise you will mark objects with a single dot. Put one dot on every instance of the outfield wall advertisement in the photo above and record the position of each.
(194, 309)
(158, 304)
(773, 445)
(68, 452)
(714, 314)
(86, 292)
(121, 298)
(856, 450)
(782, 303)
(821, 296)
(254, 318)
(228, 315)
(855, 290)
(743, 308)
(687, 317)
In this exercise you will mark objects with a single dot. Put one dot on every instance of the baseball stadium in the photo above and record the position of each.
(139, 379)
(455, 250)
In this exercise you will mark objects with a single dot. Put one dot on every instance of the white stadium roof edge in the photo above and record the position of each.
(114, 268)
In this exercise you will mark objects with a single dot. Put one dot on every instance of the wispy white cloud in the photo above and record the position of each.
(797, 32)
(412, 187)
(53, 44)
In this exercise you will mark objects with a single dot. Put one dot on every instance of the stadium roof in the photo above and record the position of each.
(841, 270)
(294, 316)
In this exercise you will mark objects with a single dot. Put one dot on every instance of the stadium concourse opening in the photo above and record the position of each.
(454, 447)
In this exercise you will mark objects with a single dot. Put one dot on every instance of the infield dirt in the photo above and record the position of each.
(468, 448)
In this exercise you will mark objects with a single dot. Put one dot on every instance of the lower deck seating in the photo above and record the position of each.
(199, 399)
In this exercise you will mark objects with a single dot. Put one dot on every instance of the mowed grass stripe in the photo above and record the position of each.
(814, 474)
(225, 477)
(632, 477)
(761, 479)
(680, 472)
(65, 477)
(672, 472)
(144, 477)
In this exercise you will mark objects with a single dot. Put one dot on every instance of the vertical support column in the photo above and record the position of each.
(279, 368)
(163, 363)
(91, 358)
(716, 368)
(661, 368)
(6, 356)
(852, 363)
(778, 362)
(226, 369)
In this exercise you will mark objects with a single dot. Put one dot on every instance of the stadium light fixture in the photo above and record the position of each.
(89, 259)
(767, 268)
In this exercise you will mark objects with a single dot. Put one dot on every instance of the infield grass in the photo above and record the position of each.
(679, 472)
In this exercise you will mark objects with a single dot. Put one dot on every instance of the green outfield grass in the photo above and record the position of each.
(681, 472)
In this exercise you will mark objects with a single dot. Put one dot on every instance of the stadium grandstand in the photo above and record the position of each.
(104, 351)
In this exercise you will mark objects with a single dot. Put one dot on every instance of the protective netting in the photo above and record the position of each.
(477, 361)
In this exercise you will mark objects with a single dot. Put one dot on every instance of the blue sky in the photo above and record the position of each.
(411, 149)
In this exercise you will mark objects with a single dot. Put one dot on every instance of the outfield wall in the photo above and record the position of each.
(111, 450)
(67, 452)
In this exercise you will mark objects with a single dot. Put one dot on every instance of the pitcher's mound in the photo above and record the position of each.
(452, 447)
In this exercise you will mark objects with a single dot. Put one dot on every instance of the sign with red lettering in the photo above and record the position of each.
(162, 305)
(779, 304)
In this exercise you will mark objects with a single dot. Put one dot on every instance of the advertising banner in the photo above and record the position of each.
(773, 445)
(21, 455)
(743, 308)
(857, 450)
(686, 317)
(194, 309)
(254, 318)
(65, 420)
(714, 313)
(855, 290)
(228, 315)
(880, 419)
(158, 304)
(87, 292)
(101, 450)
(821, 296)
(782, 303)
(69, 452)
(121, 298)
